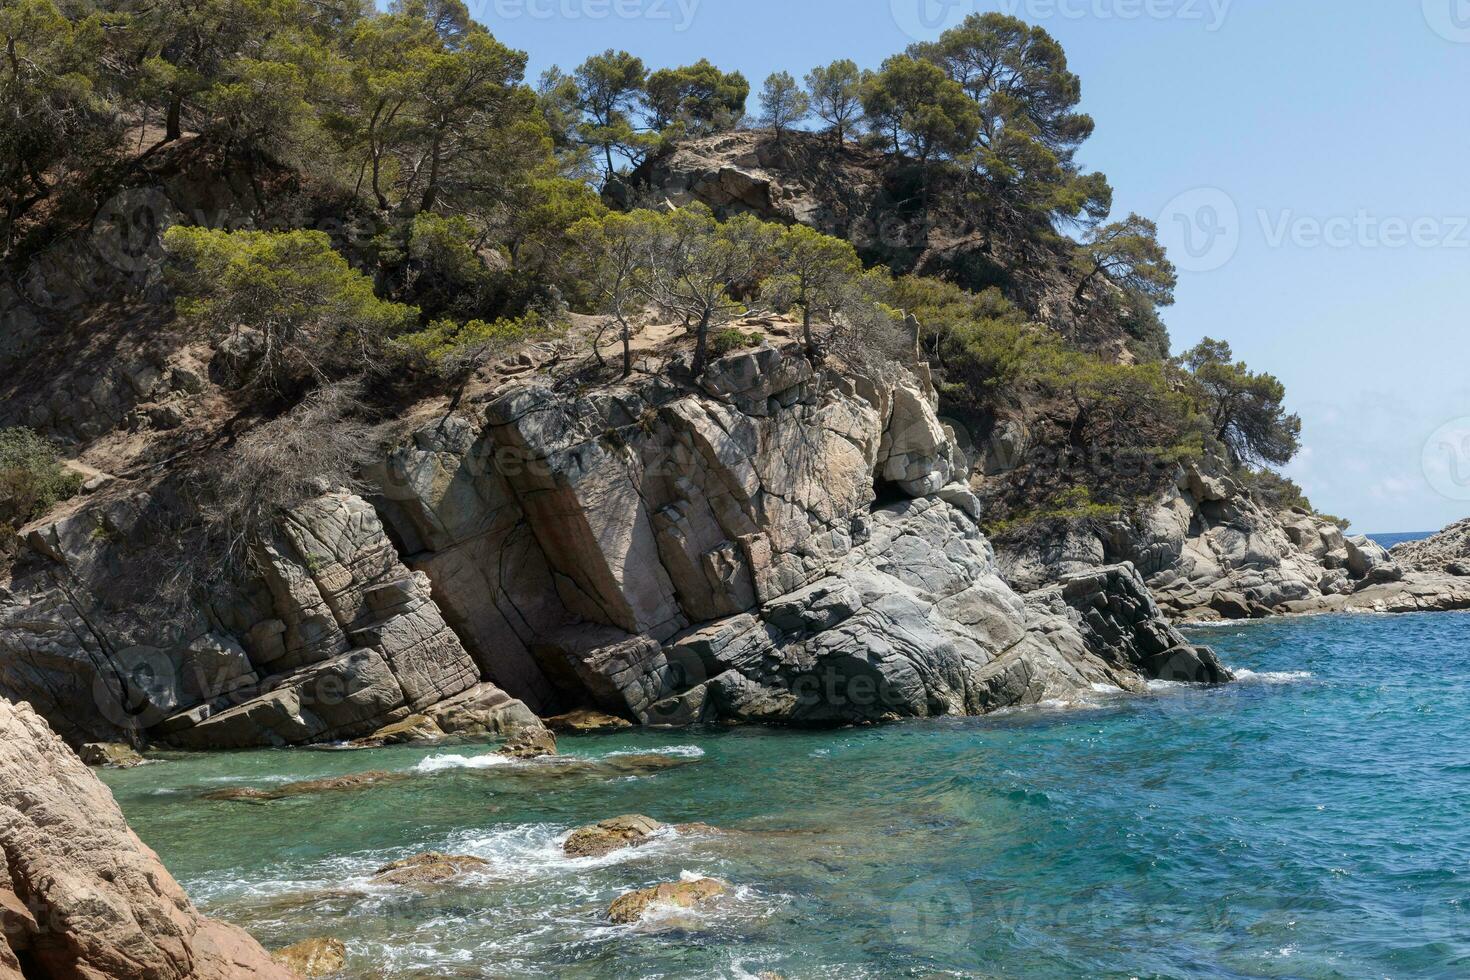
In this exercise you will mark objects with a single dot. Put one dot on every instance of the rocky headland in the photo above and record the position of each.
(779, 539)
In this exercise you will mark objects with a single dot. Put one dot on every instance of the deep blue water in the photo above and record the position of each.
(1399, 537)
(1311, 821)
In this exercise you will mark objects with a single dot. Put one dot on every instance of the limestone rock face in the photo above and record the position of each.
(1122, 625)
(97, 901)
(716, 554)
(339, 639)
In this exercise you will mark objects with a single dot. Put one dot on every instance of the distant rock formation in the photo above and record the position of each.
(1448, 551)
(80, 895)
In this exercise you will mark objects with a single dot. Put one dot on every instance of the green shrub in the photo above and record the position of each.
(32, 479)
(731, 339)
(1277, 492)
(302, 312)
(1072, 505)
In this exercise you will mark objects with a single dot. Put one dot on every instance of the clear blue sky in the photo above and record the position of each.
(1337, 132)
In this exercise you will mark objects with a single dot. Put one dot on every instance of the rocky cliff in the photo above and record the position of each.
(80, 895)
(1207, 548)
(772, 541)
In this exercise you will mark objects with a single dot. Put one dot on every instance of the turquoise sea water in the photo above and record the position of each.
(1310, 821)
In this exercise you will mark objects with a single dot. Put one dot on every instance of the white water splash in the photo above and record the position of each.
(1245, 676)
(678, 751)
(439, 763)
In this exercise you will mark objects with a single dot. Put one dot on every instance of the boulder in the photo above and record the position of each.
(111, 909)
(611, 835)
(585, 721)
(1366, 557)
(111, 755)
(691, 894)
(529, 743)
(483, 710)
(429, 868)
(320, 957)
(414, 728)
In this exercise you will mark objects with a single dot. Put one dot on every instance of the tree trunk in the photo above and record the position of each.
(172, 127)
(627, 349)
(1084, 283)
(431, 190)
(701, 344)
(806, 331)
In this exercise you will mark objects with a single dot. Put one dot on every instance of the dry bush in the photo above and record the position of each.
(320, 445)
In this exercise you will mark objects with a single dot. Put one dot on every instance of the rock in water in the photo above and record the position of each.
(529, 743)
(586, 721)
(332, 784)
(110, 909)
(314, 957)
(633, 906)
(427, 869)
(113, 755)
(610, 835)
(414, 728)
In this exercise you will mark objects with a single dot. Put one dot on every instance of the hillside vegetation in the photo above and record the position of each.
(471, 211)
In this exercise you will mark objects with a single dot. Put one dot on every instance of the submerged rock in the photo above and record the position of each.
(331, 784)
(529, 743)
(586, 721)
(635, 905)
(607, 836)
(111, 910)
(111, 755)
(314, 957)
(429, 868)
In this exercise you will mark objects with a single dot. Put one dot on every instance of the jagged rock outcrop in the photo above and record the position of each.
(80, 895)
(1123, 625)
(337, 640)
(679, 553)
(1209, 550)
(1448, 551)
(770, 542)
